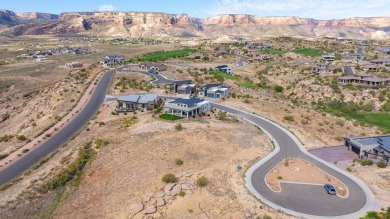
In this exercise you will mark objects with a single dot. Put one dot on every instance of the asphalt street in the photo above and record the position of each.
(307, 199)
(54, 143)
(348, 70)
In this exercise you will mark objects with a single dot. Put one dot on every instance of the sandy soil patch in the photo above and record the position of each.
(296, 170)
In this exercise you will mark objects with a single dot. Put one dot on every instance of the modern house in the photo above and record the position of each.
(134, 102)
(113, 59)
(74, 65)
(322, 68)
(259, 58)
(186, 107)
(353, 57)
(370, 67)
(215, 91)
(225, 68)
(152, 66)
(377, 145)
(183, 87)
(328, 57)
(365, 80)
(385, 62)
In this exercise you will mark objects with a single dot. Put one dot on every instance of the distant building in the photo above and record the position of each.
(370, 67)
(187, 107)
(353, 57)
(225, 68)
(112, 59)
(322, 68)
(74, 65)
(183, 87)
(328, 57)
(384, 62)
(134, 102)
(152, 66)
(215, 91)
(364, 80)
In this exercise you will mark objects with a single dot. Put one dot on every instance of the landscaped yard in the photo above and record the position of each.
(248, 85)
(381, 120)
(308, 52)
(170, 117)
(162, 56)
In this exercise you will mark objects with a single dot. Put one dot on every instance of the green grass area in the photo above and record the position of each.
(231, 77)
(308, 52)
(381, 120)
(162, 56)
(170, 117)
(273, 51)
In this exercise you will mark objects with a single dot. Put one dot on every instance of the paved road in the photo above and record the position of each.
(348, 70)
(53, 143)
(241, 62)
(306, 199)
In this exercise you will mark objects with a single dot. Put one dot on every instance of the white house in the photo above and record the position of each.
(215, 91)
(112, 59)
(187, 107)
(134, 102)
(225, 68)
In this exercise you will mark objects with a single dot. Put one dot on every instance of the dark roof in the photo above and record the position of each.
(207, 86)
(385, 142)
(187, 101)
(222, 66)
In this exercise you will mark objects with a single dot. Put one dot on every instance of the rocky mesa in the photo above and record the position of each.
(150, 24)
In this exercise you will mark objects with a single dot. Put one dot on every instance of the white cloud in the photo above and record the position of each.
(303, 8)
(109, 7)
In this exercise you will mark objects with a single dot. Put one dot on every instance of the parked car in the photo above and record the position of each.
(330, 189)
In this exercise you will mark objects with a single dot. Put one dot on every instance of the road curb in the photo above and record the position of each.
(370, 198)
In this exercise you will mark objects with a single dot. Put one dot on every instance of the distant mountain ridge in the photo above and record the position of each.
(151, 24)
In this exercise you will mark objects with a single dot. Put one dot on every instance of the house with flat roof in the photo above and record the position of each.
(328, 57)
(370, 67)
(225, 68)
(215, 91)
(376, 145)
(152, 66)
(135, 102)
(353, 57)
(187, 107)
(385, 62)
(113, 59)
(322, 68)
(364, 80)
(182, 87)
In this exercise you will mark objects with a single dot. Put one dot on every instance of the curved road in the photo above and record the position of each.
(297, 199)
(54, 143)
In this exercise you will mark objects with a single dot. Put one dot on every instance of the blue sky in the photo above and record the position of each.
(319, 9)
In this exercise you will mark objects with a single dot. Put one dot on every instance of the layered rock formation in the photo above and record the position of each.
(144, 24)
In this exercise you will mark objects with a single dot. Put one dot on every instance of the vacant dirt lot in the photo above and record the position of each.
(136, 158)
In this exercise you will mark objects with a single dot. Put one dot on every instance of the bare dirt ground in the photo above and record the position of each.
(133, 163)
(295, 170)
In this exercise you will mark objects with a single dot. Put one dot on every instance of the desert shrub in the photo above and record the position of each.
(169, 178)
(179, 161)
(6, 138)
(178, 126)
(289, 118)
(202, 181)
(21, 137)
(181, 193)
(340, 123)
(101, 123)
(25, 150)
(278, 88)
(267, 217)
(381, 164)
(280, 177)
(48, 135)
(99, 143)
(221, 115)
(158, 110)
(367, 162)
(349, 169)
